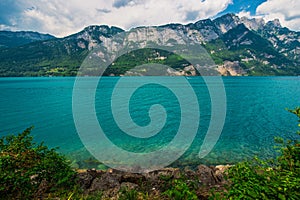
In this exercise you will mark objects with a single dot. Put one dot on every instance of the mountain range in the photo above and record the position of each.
(10, 39)
(238, 47)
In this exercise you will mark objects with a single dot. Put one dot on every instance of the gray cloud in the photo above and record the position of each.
(192, 15)
(120, 3)
(9, 11)
(293, 17)
(61, 18)
(103, 10)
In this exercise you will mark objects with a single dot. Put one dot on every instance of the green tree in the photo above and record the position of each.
(28, 170)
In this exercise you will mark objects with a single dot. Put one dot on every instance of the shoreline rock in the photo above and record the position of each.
(111, 181)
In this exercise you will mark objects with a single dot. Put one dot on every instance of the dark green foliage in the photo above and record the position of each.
(127, 194)
(76, 194)
(42, 59)
(145, 56)
(28, 170)
(272, 179)
(179, 190)
(290, 149)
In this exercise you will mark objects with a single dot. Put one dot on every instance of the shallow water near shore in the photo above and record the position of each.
(255, 114)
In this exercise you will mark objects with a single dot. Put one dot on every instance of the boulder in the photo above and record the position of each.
(206, 175)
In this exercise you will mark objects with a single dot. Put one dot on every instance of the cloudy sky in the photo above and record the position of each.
(64, 17)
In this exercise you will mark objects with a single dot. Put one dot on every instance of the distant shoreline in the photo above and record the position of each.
(140, 76)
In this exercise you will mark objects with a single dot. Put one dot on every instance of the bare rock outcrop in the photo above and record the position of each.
(111, 181)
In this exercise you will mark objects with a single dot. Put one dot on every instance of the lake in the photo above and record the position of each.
(255, 115)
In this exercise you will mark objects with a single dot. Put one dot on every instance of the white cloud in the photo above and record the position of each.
(245, 14)
(61, 17)
(287, 11)
(5, 27)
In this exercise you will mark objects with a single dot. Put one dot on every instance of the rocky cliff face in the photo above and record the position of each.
(200, 31)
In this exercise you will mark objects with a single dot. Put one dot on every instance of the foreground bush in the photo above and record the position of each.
(29, 170)
(273, 179)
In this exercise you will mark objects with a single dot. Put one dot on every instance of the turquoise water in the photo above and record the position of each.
(255, 114)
